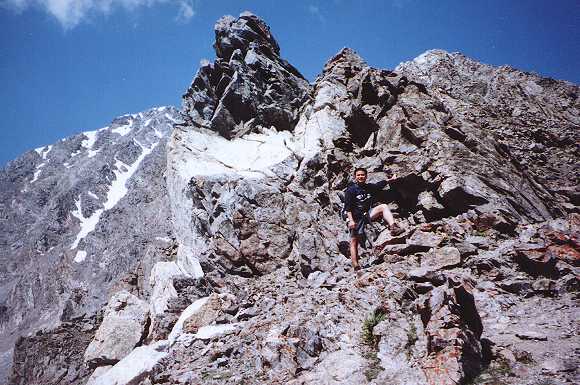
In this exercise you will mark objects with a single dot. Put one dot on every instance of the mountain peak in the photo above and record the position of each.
(249, 86)
(242, 33)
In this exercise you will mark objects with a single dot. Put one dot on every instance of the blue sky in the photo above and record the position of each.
(68, 66)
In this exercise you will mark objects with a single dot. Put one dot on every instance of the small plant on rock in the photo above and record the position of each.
(372, 320)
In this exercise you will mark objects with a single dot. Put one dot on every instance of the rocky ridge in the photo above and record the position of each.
(260, 290)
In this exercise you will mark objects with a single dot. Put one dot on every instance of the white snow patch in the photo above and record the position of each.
(43, 151)
(426, 59)
(89, 142)
(92, 153)
(75, 153)
(147, 122)
(123, 130)
(164, 239)
(170, 118)
(67, 165)
(251, 155)
(118, 188)
(158, 133)
(92, 195)
(37, 172)
(188, 312)
(135, 365)
(210, 331)
(88, 224)
(81, 255)
(116, 191)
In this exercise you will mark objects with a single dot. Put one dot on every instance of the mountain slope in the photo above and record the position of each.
(79, 215)
(257, 285)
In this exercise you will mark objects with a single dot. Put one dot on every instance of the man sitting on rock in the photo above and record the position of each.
(358, 200)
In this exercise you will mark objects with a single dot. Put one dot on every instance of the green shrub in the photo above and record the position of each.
(368, 325)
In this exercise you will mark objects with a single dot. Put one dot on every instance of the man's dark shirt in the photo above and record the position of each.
(358, 199)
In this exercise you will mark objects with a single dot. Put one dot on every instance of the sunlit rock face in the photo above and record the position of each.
(248, 278)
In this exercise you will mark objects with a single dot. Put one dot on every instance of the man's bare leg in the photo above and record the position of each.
(354, 252)
(383, 210)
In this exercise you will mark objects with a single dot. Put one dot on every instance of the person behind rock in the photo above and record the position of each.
(358, 200)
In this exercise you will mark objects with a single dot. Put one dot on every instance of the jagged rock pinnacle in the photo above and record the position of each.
(248, 30)
(345, 55)
(249, 87)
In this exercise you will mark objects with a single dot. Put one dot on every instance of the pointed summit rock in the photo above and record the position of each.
(248, 29)
(249, 86)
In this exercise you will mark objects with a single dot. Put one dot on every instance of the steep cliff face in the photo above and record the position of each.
(80, 217)
(259, 287)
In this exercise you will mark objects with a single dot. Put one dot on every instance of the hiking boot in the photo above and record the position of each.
(396, 230)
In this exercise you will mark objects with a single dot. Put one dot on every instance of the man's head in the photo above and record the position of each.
(360, 175)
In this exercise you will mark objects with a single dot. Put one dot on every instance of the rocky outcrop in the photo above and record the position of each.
(264, 229)
(532, 121)
(257, 287)
(249, 87)
(54, 356)
(453, 329)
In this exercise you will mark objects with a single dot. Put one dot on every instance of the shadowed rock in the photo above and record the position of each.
(249, 86)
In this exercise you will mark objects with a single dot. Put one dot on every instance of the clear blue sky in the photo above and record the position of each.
(68, 66)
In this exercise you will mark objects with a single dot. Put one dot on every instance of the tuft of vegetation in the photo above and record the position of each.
(411, 337)
(374, 368)
(369, 324)
(495, 374)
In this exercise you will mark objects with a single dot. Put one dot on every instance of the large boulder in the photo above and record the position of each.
(123, 327)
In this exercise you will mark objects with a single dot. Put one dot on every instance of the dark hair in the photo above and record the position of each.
(360, 169)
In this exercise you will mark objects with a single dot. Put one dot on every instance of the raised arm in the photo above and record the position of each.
(382, 184)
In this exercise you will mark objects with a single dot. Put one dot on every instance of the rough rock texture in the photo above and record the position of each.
(54, 356)
(532, 121)
(132, 369)
(249, 86)
(262, 226)
(481, 286)
(453, 329)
